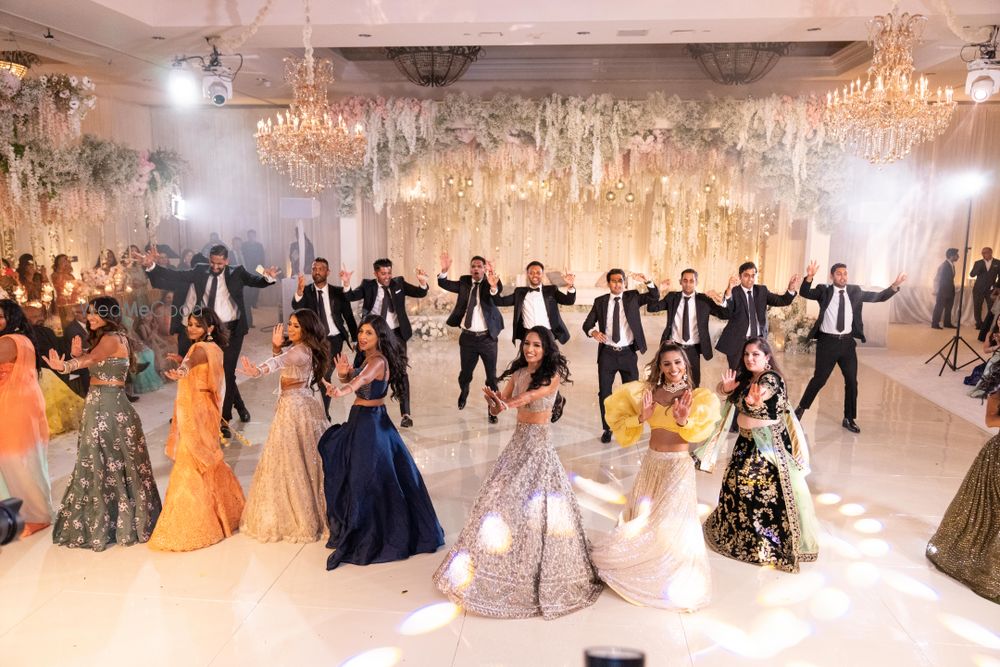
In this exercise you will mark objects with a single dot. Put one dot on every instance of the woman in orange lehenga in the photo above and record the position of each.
(24, 471)
(204, 499)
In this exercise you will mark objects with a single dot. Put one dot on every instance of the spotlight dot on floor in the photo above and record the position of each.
(852, 509)
(904, 583)
(868, 526)
(828, 499)
(830, 604)
(703, 510)
(874, 547)
(971, 631)
(863, 575)
(429, 618)
(385, 656)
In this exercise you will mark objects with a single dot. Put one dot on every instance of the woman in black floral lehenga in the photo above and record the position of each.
(765, 514)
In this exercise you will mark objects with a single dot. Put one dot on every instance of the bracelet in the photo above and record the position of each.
(71, 365)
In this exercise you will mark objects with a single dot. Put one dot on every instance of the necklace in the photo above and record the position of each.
(674, 387)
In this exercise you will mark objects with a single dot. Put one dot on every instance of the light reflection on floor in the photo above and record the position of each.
(871, 599)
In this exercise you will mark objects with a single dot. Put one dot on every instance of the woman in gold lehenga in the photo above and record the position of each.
(204, 499)
(966, 545)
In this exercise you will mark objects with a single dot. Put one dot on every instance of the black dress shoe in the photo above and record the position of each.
(557, 408)
(606, 436)
(851, 425)
(462, 398)
(141, 367)
(493, 419)
(935, 326)
(243, 413)
(406, 422)
(226, 433)
(132, 398)
(799, 412)
(950, 326)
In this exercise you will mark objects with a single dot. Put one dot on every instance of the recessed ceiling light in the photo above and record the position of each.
(159, 37)
(813, 29)
(583, 32)
(363, 34)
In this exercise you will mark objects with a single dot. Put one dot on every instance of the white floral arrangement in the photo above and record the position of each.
(790, 326)
(427, 328)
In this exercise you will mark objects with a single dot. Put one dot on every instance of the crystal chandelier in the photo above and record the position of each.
(434, 66)
(308, 142)
(17, 62)
(735, 64)
(882, 119)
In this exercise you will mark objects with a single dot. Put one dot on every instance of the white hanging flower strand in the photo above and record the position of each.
(307, 43)
(227, 45)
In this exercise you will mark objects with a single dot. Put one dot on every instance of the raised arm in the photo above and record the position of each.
(886, 294)
(109, 346)
(255, 279)
(373, 369)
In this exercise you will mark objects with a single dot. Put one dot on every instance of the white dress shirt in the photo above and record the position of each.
(677, 330)
(323, 295)
(225, 308)
(533, 310)
(609, 323)
(390, 315)
(829, 325)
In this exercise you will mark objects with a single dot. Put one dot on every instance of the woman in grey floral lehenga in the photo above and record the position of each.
(112, 496)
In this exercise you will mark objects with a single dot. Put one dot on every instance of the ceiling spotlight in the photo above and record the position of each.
(48, 34)
(182, 86)
(983, 79)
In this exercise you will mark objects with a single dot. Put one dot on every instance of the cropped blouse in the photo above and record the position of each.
(623, 407)
(295, 364)
(772, 408)
(522, 378)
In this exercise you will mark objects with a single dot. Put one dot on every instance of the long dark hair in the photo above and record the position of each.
(655, 375)
(743, 376)
(17, 323)
(109, 310)
(313, 337)
(553, 362)
(22, 266)
(206, 317)
(395, 355)
(113, 261)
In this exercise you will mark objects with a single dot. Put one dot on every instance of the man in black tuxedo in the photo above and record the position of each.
(614, 322)
(219, 287)
(838, 324)
(385, 295)
(79, 380)
(334, 312)
(747, 305)
(986, 271)
(687, 321)
(480, 321)
(944, 290)
(181, 291)
(538, 305)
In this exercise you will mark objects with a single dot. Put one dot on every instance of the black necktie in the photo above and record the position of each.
(321, 310)
(473, 297)
(752, 311)
(685, 326)
(534, 289)
(387, 305)
(213, 290)
(616, 327)
(841, 323)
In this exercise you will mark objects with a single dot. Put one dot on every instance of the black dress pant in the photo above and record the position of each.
(694, 363)
(834, 351)
(942, 306)
(734, 359)
(336, 347)
(473, 347)
(230, 359)
(611, 362)
(980, 299)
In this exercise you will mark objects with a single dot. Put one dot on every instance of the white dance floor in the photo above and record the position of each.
(871, 599)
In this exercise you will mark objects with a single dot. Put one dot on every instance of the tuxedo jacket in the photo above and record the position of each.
(944, 280)
(857, 296)
(463, 287)
(735, 334)
(236, 278)
(985, 280)
(398, 288)
(553, 299)
(703, 307)
(632, 301)
(342, 315)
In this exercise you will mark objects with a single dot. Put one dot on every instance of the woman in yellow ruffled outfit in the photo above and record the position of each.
(204, 499)
(656, 555)
(63, 407)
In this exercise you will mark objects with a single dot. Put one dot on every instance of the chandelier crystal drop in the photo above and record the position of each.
(883, 118)
(309, 142)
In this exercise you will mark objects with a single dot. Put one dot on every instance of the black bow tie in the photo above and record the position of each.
(534, 289)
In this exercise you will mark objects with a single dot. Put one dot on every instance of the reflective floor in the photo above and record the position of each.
(871, 599)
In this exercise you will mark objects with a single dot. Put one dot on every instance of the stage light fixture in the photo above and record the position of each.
(182, 86)
(983, 79)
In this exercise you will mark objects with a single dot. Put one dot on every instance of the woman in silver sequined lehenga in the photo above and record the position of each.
(966, 545)
(286, 501)
(523, 551)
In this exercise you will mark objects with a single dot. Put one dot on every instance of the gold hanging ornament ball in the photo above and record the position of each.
(630, 198)
(610, 196)
(620, 185)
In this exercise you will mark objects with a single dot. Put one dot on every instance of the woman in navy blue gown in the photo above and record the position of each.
(377, 504)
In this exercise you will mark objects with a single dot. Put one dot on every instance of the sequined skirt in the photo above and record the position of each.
(966, 545)
(765, 514)
(285, 502)
(523, 551)
(656, 554)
